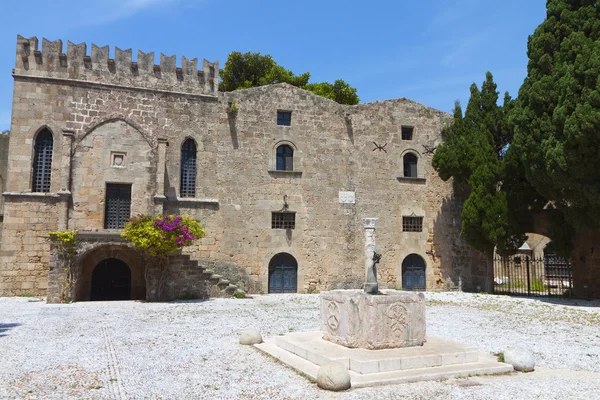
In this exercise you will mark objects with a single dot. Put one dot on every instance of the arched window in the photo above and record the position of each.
(413, 272)
(42, 162)
(283, 274)
(410, 165)
(188, 169)
(285, 158)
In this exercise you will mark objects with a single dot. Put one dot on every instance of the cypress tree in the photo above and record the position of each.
(557, 116)
(473, 153)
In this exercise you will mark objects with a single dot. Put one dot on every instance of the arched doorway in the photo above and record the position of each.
(413, 272)
(283, 274)
(111, 280)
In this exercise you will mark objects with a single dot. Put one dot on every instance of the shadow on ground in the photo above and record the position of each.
(5, 327)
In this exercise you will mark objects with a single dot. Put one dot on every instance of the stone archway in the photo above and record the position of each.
(111, 280)
(103, 274)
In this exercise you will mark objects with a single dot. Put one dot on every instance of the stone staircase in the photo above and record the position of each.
(199, 275)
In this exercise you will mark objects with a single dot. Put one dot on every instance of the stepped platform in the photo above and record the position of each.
(437, 359)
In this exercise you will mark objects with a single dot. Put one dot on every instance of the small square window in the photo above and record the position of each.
(284, 118)
(407, 132)
(412, 224)
(283, 220)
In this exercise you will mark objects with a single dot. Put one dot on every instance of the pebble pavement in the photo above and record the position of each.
(190, 350)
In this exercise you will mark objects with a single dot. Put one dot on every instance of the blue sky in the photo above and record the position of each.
(428, 51)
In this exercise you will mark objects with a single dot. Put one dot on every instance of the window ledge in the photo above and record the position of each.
(196, 200)
(285, 173)
(416, 181)
(192, 200)
(38, 195)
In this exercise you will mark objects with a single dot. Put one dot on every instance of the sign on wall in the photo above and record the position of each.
(347, 197)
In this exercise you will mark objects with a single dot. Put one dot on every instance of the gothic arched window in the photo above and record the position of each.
(285, 158)
(410, 165)
(42, 162)
(187, 186)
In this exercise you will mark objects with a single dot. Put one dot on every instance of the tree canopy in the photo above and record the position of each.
(557, 115)
(242, 71)
(473, 153)
(539, 151)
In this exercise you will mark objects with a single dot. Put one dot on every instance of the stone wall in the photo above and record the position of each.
(238, 186)
(3, 170)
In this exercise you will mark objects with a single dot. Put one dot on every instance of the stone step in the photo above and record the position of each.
(223, 283)
(381, 360)
(231, 289)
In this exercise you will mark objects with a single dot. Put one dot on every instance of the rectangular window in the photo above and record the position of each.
(407, 132)
(284, 118)
(117, 205)
(412, 224)
(283, 220)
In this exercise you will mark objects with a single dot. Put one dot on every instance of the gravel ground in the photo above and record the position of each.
(189, 350)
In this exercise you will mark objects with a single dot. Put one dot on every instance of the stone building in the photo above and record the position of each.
(3, 167)
(279, 177)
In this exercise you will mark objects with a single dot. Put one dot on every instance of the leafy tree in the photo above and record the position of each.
(473, 153)
(340, 91)
(156, 238)
(242, 71)
(557, 116)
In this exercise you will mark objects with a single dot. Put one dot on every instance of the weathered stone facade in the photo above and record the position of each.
(3, 168)
(97, 108)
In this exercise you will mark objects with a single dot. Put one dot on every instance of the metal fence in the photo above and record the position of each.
(533, 276)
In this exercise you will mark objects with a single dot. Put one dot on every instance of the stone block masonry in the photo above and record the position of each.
(97, 109)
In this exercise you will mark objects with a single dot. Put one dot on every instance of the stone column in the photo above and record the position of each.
(160, 196)
(370, 285)
(65, 179)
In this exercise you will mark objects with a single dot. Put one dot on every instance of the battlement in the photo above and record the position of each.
(77, 65)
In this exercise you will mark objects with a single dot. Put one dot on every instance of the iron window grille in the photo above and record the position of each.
(187, 187)
(284, 118)
(412, 224)
(283, 220)
(117, 205)
(42, 162)
(407, 132)
(285, 158)
(410, 166)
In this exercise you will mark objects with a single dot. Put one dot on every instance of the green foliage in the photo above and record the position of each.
(340, 91)
(188, 296)
(557, 115)
(65, 243)
(243, 71)
(239, 294)
(473, 153)
(160, 236)
(501, 357)
(233, 107)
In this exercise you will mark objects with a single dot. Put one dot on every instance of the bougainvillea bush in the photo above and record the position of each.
(161, 235)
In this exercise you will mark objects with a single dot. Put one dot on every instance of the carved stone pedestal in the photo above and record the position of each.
(354, 319)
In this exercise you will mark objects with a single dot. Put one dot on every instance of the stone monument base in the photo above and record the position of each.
(436, 359)
(392, 319)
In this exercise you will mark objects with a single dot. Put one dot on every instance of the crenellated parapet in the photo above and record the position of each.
(77, 65)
